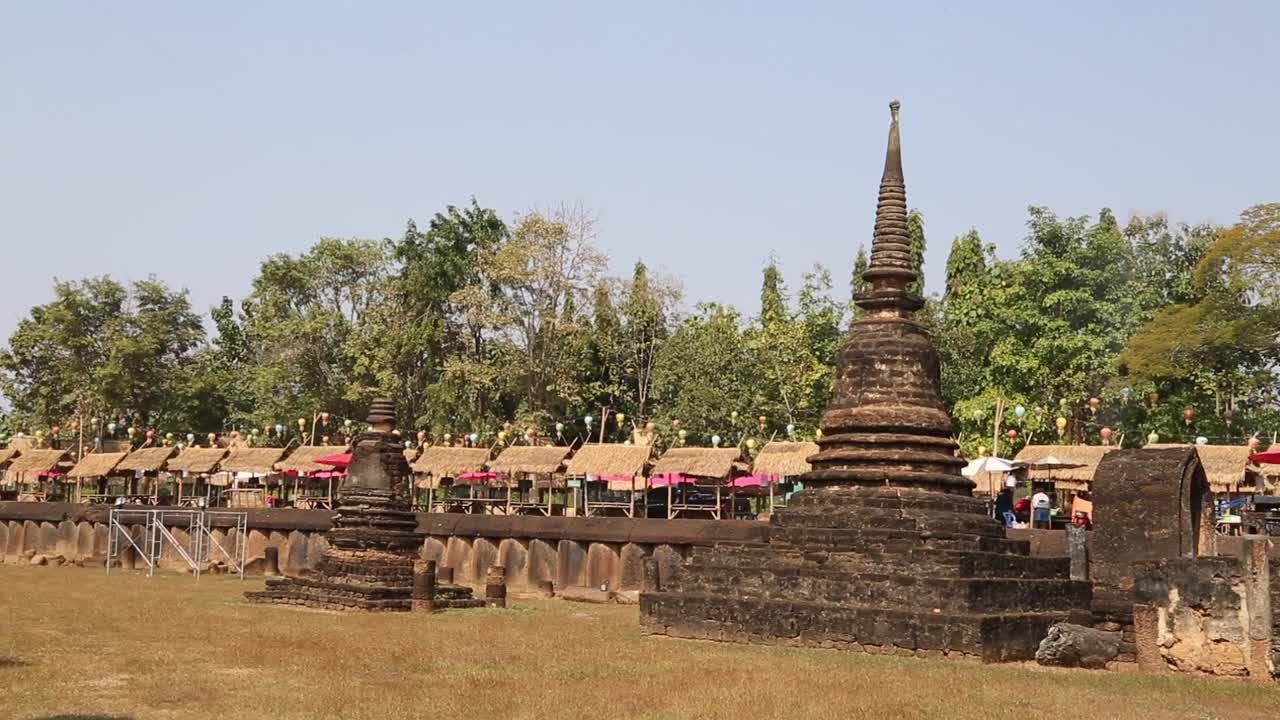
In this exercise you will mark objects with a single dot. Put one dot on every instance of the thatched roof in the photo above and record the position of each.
(530, 459)
(411, 454)
(146, 459)
(6, 454)
(614, 459)
(303, 458)
(196, 460)
(1226, 467)
(443, 462)
(785, 459)
(37, 461)
(1075, 478)
(261, 461)
(715, 463)
(96, 465)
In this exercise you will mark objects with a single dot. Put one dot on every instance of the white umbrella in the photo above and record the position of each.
(986, 464)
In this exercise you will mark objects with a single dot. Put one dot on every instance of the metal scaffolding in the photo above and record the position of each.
(200, 547)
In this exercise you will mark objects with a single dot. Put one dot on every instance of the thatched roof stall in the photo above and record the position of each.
(612, 459)
(708, 463)
(6, 454)
(96, 465)
(530, 460)
(34, 462)
(784, 459)
(1226, 467)
(444, 462)
(1085, 457)
(258, 461)
(196, 460)
(437, 463)
(411, 454)
(150, 459)
(303, 459)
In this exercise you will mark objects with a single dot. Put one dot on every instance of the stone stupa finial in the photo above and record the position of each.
(891, 269)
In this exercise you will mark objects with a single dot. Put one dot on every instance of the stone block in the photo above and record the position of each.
(1070, 645)
(631, 561)
(541, 563)
(513, 556)
(602, 566)
(571, 559)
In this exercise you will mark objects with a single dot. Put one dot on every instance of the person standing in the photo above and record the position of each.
(1039, 508)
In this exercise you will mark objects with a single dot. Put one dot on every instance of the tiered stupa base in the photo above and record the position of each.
(369, 564)
(881, 569)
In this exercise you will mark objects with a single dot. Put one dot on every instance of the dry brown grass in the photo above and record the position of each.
(78, 643)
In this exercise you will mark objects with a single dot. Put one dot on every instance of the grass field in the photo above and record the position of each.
(76, 643)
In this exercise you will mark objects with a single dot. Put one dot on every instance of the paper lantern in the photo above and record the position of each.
(253, 432)
(56, 430)
(1061, 424)
(763, 419)
(39, 434)
(131, 431)
(422, 436)
(346, 423)
(588, 420)
(1153, 438)
(675, 423)
(619, 418)
(191, 437)
(1019, 411)
(982, 450)
(530, 432)
(651, 426)
(75, 425)
(684, 434)
(93, 422)
(559, 428)
(111, 428)
(302, 423)
(715, 441)
(213, 438)
(1202, 440)
(1012, 434)
(267, 429)
(324, 439)
(1094, 403)
(1106, 435)
(408, 444)
(733, 415)
(751, 443)
(977, 415)
(791, 429)
(449, 436)
(474, 438)
(1038, 411)
(181, 446)
(279, 429)
(324, 418)
(502, 435)
(1188, 414)
(817, 433)
(168, 436)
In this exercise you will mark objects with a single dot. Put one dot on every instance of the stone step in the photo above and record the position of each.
(958, 563)
(993, 637)
(885, 589)
(900, 541)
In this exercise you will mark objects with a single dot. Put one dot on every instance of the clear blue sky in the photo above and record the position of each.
(191, 140)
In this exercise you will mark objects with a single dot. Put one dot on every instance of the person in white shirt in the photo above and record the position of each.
(1040, 509)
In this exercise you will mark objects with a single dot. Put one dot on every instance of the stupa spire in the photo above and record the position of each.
(891, 270)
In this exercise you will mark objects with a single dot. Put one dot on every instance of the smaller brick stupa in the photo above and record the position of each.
(375, 540)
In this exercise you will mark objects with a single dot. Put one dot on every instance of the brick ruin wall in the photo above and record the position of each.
(569, 553)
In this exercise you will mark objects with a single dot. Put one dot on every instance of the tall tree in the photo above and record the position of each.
(648, 304)
(702, 377)
(915, 230)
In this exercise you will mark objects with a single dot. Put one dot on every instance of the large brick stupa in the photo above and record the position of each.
(886, 550)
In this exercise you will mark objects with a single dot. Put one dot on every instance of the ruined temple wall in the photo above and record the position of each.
(590, 554)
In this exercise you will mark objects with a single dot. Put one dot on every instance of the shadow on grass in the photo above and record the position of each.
(12, 662)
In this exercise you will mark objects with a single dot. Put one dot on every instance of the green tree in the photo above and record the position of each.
(915, 230)
(648, 305)
(703, 374)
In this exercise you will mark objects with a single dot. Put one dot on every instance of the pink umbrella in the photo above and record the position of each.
(339, 460)
(476, 475)
(750, 481)
(1270, 457)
